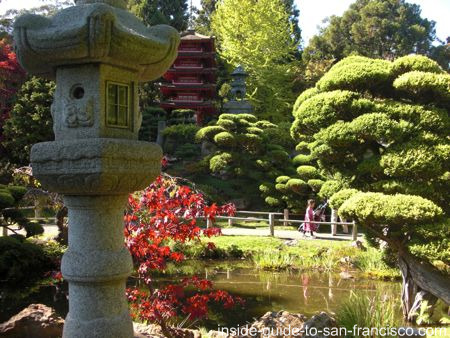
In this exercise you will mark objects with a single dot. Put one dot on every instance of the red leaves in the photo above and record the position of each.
(165, 212)
(11, 78)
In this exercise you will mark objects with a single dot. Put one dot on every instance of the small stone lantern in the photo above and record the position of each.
(237, 103)
(98, 53)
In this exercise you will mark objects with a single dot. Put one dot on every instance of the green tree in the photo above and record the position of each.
(374, 28)
(202, 22)
(30, 120)
(246, 149)
(155, 12)
(259, 36)
(381, 127)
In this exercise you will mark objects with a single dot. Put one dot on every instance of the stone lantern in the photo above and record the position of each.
(237, 103)
(98, 53)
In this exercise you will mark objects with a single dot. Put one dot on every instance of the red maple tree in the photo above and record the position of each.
(11, 78)
(168, 211)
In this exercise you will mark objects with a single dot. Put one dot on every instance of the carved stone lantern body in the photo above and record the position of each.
(98, 53)
(237, 103)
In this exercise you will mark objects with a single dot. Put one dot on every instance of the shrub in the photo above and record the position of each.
(377, 209)
(21, 262)
(356, 73)
(308, 171)
(224, 139)
(411, 63)
(426, 87)
(315, 184)
(340, 197)
(302, 159)
(181, 133)
(208, 133)
(187, 150)
(296, 185)
(220, 162)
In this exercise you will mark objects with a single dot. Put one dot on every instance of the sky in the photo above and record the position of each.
(312, 12)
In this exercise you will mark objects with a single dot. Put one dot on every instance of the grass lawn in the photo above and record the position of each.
(273, 254)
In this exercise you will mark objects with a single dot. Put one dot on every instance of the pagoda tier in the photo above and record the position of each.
(190, 83)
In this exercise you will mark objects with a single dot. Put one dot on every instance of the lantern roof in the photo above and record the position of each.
(94, 31)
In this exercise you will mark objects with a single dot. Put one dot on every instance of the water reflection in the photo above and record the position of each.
(263, 291)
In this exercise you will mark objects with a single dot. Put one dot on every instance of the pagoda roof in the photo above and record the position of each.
(191, 34)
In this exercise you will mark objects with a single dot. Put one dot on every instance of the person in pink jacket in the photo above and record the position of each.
(309, 217)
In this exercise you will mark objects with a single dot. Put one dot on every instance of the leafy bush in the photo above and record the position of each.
(340, 197)
(411, 63)
(377, 210)
(426, 87)
(21, 262)
(356, 73)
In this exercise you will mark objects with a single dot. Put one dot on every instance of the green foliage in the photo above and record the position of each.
(330, 187)
(155, 12)
(208, 133)
(273, 260)
(224, 139)
(21, 262)
(340, 197)
(388, 136)
(357, 73)
(30, 120)
(384, 29)
(220, 162)
(178, 135)
(248, 149)
(411, 63)
(270, 66)
(398, 211)
(308, 171)
(187, 151)
(150, 118)
(302, 159)
(365, 311)
(426, 87)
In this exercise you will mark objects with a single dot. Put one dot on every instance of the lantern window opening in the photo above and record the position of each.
(117, 105)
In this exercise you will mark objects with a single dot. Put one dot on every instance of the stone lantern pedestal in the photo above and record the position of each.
(98, 53)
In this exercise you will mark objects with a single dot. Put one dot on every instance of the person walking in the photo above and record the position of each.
(309, 217)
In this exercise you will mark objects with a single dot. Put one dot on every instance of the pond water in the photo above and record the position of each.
(263, 291)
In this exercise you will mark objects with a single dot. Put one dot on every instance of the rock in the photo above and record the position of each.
(319, 322)
(358, 244)
(35, 321)
(275, 324)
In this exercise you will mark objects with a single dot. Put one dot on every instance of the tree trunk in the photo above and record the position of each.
(421, 282)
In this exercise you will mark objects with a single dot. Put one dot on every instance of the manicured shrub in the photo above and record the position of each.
(340, 197)
(302, 159)
(296, 185)
(220, 162)
(330, 187)
(377, 210)
(411, 63)
(308, 171)
(224, 139)
(21, 262)
(315, 184)
(356, 73)
(426, 87)
(306, 94)
(208, 133)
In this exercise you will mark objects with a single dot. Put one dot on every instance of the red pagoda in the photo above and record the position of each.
(191, 81)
